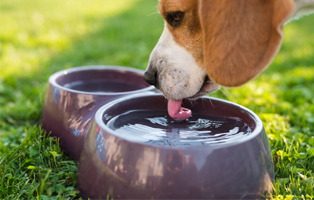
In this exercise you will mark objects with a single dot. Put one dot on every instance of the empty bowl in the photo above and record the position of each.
(74, 95)
(134, 150)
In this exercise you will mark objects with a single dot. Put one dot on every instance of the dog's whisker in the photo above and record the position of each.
(211, 102)
(224, 93)
(191, 102)
(152, 14)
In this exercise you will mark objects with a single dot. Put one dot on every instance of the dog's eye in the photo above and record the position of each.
(175, 18)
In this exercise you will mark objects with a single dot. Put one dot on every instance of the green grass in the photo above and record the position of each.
(40, 37)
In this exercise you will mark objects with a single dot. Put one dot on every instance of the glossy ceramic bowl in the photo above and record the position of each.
(118, 166)
(74, 95)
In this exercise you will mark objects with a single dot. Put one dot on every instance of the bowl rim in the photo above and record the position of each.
(258, 128)
(53, 77)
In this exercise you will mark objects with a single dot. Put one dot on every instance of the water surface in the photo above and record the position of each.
(156, 127)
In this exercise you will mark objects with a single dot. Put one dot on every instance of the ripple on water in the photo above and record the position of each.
(156, 127)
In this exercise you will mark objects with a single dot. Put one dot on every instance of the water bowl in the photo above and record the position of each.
(74, 95)
(134, 150)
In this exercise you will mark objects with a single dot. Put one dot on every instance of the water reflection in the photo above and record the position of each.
(159, 129)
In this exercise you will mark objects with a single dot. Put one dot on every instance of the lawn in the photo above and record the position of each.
(40, 37)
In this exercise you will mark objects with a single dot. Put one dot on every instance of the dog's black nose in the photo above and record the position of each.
(150, 77)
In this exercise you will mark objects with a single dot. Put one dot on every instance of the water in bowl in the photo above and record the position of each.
(102, 86)
(157, 128)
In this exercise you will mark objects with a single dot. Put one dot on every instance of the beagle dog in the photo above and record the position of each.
(206, 44)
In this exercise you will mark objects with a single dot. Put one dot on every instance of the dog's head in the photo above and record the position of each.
(208, 43)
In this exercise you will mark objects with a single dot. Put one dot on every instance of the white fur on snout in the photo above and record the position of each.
(178, 74)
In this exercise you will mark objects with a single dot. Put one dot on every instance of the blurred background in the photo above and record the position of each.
(40, 37)
(37, 35)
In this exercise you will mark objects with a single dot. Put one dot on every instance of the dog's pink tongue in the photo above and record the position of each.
(176, 111)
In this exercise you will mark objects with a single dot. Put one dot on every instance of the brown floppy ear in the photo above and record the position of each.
(241, 37)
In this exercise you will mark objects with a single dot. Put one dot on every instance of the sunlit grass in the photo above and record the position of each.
(40, 37)
(34, 31)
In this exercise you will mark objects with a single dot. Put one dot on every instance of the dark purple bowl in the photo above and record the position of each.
(176, 163)
(74, 95)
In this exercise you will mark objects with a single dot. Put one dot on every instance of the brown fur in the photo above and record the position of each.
(234, 39)
(189, 34)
